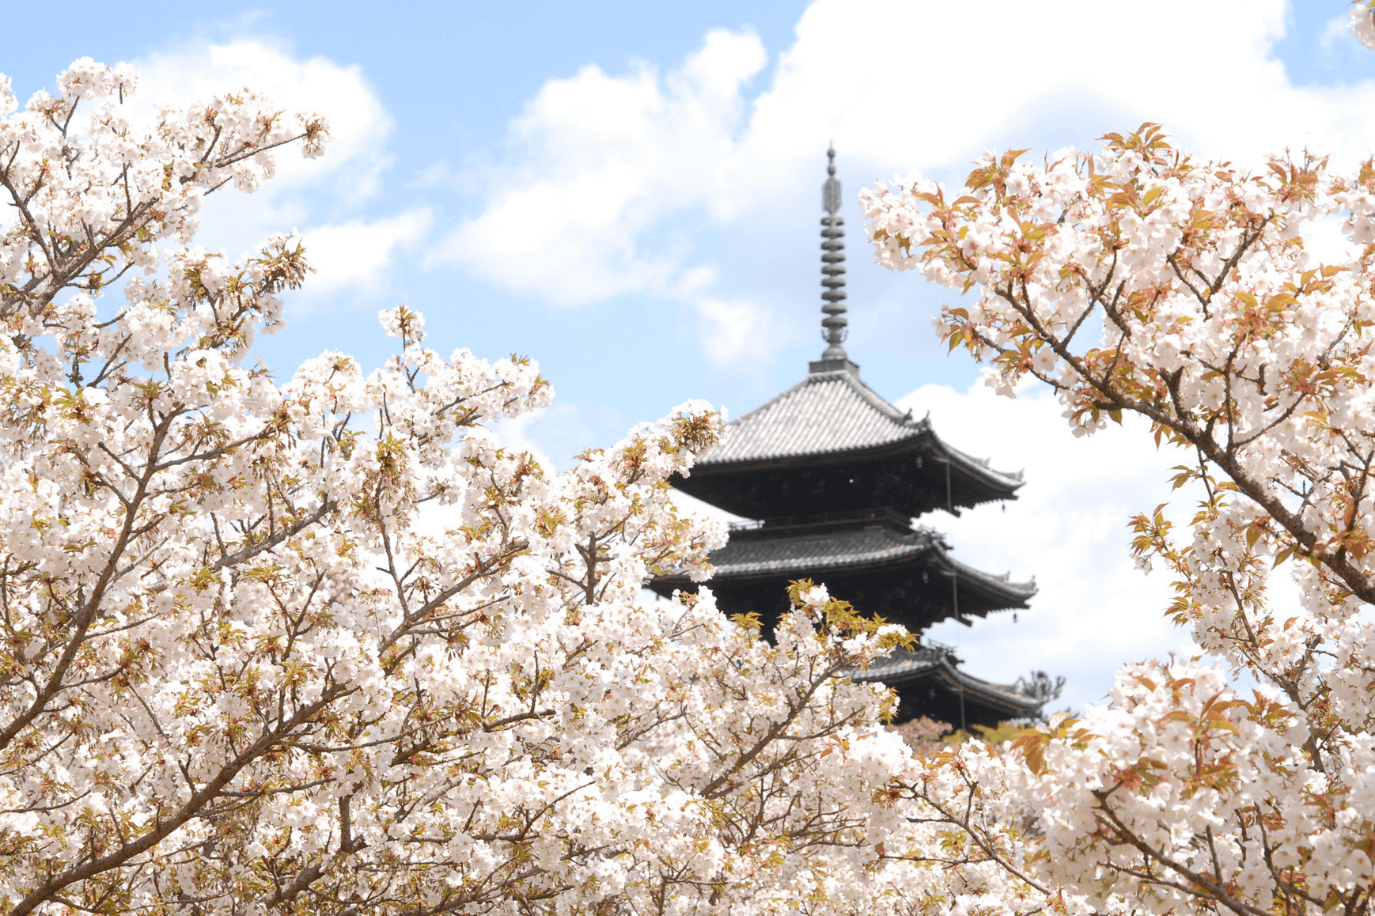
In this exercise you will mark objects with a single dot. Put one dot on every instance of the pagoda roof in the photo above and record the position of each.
(817, 551)
(829, 443)
(826, 412)
(905, 575)
(854, 550)
(834, 413)
(926, 663)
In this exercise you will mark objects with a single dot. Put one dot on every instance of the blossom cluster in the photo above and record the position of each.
(1363, 22)
(1139, 279)
(324, 645)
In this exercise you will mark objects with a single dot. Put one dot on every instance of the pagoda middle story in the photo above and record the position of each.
(834, 476)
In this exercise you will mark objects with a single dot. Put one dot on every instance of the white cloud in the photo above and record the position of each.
(1337, 29)
(906, 84)
(303, 191)
(599, 163)
(1068, 528)
(356, 253)
(736, 329)
(359, 124)
(602, 168)
(559, 432)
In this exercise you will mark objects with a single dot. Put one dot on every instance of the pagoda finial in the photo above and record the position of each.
(830, 191)
(834, 327)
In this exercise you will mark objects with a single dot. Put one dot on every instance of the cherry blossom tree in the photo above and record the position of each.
(322, 645)
(1143, 280)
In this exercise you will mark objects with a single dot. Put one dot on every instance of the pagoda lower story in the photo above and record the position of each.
(881, 564)
(872, 558)
(928, 682)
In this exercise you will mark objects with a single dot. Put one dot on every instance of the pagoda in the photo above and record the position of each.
(833, 477)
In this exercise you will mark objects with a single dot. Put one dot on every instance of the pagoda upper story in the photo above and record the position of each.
(832, 477)
(831, 444)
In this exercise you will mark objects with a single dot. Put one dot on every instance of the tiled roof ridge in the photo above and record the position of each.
(1008, 691)
(904, 418)
(886, 424)
(904, 662)
(874, 399)
(1026, 589)
(896, 546)
(920, 540)
(979, 465)
(901, 417)
(762, 434)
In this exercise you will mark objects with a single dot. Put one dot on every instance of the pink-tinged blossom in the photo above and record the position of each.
(1139, 279)
(323, 644)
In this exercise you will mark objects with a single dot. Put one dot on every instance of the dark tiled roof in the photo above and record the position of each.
(979, 466)
(825, 412)
(1004, 583)
(824, 550)
(831, 413)
(919, 659)
(923, 661)
(809, 554)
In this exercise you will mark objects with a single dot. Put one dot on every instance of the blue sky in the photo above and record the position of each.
(630, 193)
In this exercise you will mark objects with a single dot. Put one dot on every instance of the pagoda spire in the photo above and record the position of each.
(834, 326)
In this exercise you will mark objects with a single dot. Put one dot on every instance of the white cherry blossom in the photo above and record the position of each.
(1140, 279)
(319, 643)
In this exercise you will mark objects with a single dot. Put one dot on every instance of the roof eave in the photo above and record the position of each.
(988, 485)
(955, 679)
(992, 590)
